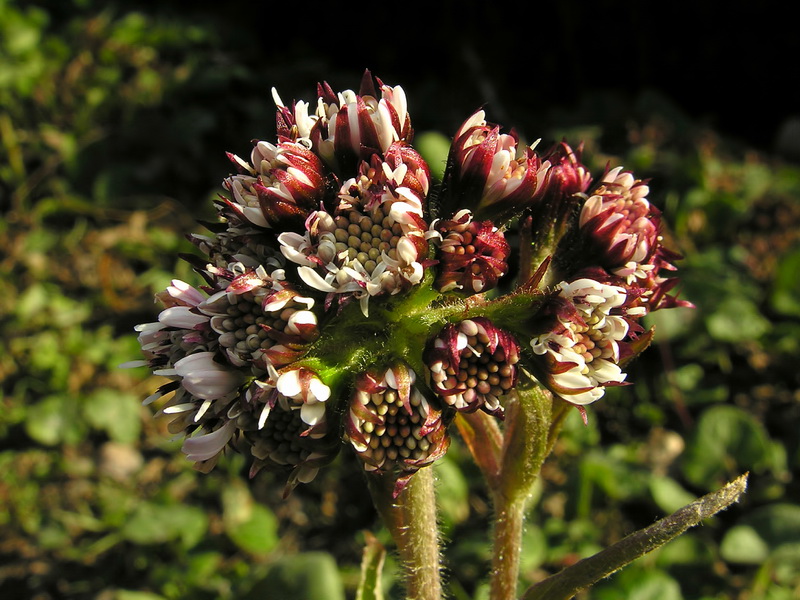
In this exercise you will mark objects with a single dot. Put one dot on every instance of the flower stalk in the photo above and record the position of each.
(525, 446)
(411, 519)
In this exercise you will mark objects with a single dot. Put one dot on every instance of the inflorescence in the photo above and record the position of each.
(349, 297)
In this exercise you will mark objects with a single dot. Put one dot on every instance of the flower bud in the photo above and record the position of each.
(622, 226)
(621, 230)
(485, 175)
(352, 127)
(284, 183)
(567, 175)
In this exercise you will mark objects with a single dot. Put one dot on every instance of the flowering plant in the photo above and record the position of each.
(352, 301)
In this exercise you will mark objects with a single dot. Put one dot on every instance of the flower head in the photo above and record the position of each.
(284, 183)
(372, 244)
(580, 351)
(472, 365)
(329, 268)
(391, 425)
(472, 255)
(622, 224)
(260, 318)
(621, 230)
(487, 176)
(282, 439)
(350, 127)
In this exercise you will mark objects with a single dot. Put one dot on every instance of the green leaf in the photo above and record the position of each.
(743, 545)
(132, 595)
(737, 319)
(452, 492)
(251, 526)
(308, 576)
(638, 584)
(258, 534)
(369, 586)
(534, 548)
(115, 412)
(669, 494)
(434, 148)
(776, 524)
(727, 441)
(54, 420)
(154, 523)
(687, 550)
(786, 291)
(786, 561)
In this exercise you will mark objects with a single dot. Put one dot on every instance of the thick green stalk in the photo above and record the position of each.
(411, 519)
(529, 416)
(509, 520)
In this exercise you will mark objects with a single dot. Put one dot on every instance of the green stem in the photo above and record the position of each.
(411, 519)
(528, 432)
(509, 519)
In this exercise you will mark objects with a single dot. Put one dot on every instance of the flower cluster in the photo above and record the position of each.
(339, 308)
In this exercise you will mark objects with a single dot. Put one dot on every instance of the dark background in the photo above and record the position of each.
(731, 65)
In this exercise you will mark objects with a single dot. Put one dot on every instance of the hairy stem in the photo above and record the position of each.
(529, 419)
(509, 518)
(411, 519)
(567, 583)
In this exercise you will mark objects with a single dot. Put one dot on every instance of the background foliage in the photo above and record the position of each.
(113, 126)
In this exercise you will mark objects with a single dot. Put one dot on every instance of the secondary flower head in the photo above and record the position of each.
(278, 431)
(371, 244)
(486, 175)
(391, 425)
(622, 225)
(567, 176)
(472, 255)
(262, 319)
(580, 352)
(349, 127)
(285, 182)
(472, 365)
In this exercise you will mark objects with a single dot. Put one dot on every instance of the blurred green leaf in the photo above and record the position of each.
(687, 550)
(55, 419)
(776, 524)
(635, 583)
(786, 286)
(249, 525)
(370, 583)
(737, 319)
(726, 441)
(742, 544)
(668, 494)
(153, 523)
(115, 412)
(434, 148)
(534, 548)
(452, 492)
(132, 595)
(310, 576)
